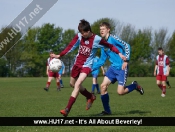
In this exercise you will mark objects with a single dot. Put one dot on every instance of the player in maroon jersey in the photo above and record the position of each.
(88, 44)
(51, 74)
(161, 70)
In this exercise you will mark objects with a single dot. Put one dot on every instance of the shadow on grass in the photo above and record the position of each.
(136, 112)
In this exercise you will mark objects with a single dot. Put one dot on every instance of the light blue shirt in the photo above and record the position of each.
(114, 58)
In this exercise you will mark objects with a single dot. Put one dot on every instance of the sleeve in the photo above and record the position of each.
(72, 46)
(167, 61)
(127, 51)
(112, 47)
(126, 46)
(156, 60)
(101, 60)
(47, 63)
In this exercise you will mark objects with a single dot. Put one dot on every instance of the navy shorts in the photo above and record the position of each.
(114, 75)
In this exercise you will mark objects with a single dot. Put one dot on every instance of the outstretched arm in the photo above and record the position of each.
(155, 69)
(103, 71)
(101, 61)
(112, 48)
(72, 46)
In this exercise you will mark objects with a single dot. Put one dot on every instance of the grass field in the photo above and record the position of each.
(25, 97)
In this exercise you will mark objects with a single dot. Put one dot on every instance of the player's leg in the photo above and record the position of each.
(60, 79)
(164, 78)
(74, 94)
(159, 82)
(97, 86)
(105, 96)
(57, 82)
(72, 81)
(168, 83)
(93, 84)
(121, 76)
(50, 76)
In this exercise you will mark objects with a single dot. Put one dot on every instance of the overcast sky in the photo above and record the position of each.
(67, 13)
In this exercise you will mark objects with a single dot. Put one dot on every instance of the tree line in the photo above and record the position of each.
(28, 57)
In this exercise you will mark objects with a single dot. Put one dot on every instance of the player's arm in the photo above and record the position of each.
(103, 71)
(47, 68)
(167, 66)
(155, 68)
(126, 47)
(71, 46)
(101, 60)
(112, 48)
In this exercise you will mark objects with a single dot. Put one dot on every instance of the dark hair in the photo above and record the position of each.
(84, 26)
(160, 48)
(107, 25)
(51, 51)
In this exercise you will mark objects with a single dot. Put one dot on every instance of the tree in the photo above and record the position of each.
(95, 26)
(159, 39)
(141, 50)
(9, 48)
(128, 33)
(171, 53)
(49, 37)
(140, 53)
(67, 36)
(31, 59)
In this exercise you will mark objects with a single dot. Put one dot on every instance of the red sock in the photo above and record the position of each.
(86, 94)
(58, 84)
(164, 89)
(160, 86)
(48, 84)
(70, 103)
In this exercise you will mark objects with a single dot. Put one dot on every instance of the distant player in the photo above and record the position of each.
(118, 70)
(161, 70)
(88, 44)
(62, 71)
(51, 74)
(95, 76)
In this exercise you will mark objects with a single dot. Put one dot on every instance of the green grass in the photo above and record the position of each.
(25, 97)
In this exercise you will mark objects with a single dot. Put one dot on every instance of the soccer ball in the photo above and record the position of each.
(55, 65)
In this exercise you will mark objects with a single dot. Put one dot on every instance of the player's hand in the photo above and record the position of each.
(124, 66)
(154, 73)
(122, 56)
(47, 73)
(55, 56)
(167, 74)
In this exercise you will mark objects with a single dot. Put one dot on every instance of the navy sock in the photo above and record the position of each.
(97, 86)
(93, 87)
(105, 101)
(61, 82)
(131, 87)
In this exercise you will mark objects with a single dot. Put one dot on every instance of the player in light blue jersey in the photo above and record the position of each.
(117, 71)
(95, 76)
(62, 71)
(88, 44)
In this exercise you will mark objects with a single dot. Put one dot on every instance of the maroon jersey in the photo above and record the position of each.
(162, 61)
(48, 61)
(87, 49)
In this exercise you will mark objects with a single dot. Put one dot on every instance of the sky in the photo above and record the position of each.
(142, 14)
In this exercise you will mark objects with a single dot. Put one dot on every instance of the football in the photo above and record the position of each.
(55, 65)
